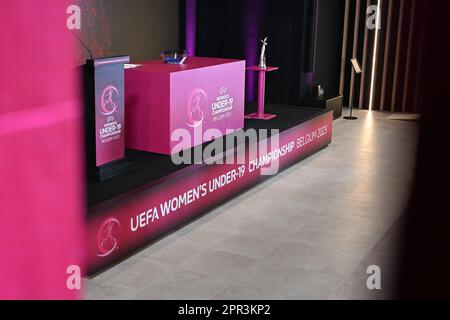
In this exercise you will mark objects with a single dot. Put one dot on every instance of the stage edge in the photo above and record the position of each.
(122, 226)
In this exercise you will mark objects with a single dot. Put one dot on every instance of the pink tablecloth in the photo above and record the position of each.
(200, 100)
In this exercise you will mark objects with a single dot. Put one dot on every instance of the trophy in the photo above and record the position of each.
(262, 69)
(262, 59)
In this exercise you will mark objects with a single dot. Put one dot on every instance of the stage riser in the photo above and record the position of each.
(124, 225)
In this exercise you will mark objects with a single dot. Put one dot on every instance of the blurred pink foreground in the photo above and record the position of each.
(41, 195)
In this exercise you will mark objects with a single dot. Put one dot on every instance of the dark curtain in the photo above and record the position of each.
(232, 29)
(425, 256)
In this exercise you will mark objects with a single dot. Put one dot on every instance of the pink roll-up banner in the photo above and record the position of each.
(109, 109)
(41, 197)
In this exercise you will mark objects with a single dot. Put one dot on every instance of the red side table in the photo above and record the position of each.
(260, 115)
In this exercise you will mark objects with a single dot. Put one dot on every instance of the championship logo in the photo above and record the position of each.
(110, 100)
(197, 102)
(223, 91)
(107, 239)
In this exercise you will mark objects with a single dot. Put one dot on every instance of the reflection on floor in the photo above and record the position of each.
(309, 233)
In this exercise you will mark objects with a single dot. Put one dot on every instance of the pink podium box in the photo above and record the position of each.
(202, 94)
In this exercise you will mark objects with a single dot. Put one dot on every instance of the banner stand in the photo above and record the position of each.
(104, 80)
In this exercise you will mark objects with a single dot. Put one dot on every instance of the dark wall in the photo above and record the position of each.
(139, 28)
(232, 29)
(220, 29)
(424, 257)
(329, 44)
(290, 49)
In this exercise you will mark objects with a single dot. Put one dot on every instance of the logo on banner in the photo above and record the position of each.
(107, 239)
(196, 104)
(110, 100)
(223, 105)
(223, 91)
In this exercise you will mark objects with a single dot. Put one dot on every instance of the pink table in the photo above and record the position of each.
(206, 95)
(260, 115)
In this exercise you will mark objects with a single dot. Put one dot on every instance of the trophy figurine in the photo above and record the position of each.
(262, 70)
(262, 59)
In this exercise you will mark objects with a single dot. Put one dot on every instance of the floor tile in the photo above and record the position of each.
(308, 233)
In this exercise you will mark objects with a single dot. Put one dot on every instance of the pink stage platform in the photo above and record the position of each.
(163, 100)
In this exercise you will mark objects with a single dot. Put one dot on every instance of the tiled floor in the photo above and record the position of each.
(309, 233)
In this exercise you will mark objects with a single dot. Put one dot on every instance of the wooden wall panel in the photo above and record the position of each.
(397, 66)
